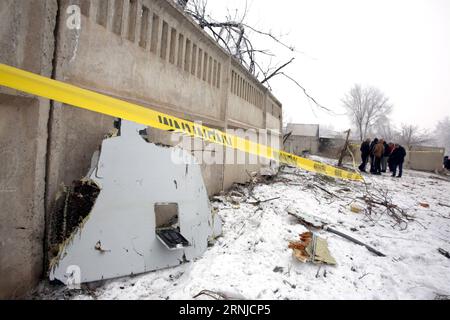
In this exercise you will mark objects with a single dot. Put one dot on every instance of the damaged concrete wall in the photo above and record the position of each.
(26, 41)
(157, 57)
(144, 51)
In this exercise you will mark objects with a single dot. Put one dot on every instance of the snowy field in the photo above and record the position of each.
(251, 260)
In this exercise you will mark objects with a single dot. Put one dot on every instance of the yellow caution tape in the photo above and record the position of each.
(69, 94)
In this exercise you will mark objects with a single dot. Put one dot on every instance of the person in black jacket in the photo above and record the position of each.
(397, 158)
(365, 151)
(372, 156)
(446, 163)
(391, 148)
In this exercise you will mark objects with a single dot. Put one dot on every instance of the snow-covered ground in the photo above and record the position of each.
(252, 259)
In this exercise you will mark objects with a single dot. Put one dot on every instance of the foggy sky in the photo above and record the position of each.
(400, 46)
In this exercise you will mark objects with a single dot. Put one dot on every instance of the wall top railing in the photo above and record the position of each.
(140, 20)
(162, 28)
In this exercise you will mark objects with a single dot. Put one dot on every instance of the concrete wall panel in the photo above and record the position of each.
(424, 160)
(26, 41)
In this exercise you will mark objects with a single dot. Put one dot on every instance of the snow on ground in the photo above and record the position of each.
(252, 260)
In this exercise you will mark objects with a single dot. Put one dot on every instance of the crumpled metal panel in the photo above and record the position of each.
(118, 237)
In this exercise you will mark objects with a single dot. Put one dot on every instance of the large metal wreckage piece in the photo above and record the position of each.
(142, 207)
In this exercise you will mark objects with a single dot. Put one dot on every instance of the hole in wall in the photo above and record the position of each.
(166, 215)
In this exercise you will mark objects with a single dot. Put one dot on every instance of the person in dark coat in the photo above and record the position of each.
(372, 156)
(390, 149)
(397, 157)
(385, 157)
(378, 152)
(365, 152)
(446, 163)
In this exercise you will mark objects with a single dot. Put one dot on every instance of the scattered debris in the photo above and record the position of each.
(315, 222)
(264, 235)
(355, 208)
(379, 203)
(311, 248)
(278, 269)
(444, 253)
(293, 286)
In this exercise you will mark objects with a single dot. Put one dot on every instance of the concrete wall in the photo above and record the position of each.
(26, 28)
(425, 158)
(143, 51)
(298, 144)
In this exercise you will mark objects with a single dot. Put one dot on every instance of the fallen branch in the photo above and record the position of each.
(216, 295)
(380, 203)
(365, 274)
(325, 190)
(444, 253)
(343, 235)
(213, 294)
(258, 202)
(443, 205)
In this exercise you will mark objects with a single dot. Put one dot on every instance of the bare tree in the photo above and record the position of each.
(365, 106)
(234, 35)
(441, 135)
(411, 135)
(385, 129)
(286, 118)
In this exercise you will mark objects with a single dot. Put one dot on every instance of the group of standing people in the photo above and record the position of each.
(382, 155)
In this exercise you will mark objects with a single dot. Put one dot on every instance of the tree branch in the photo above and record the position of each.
(277, 71)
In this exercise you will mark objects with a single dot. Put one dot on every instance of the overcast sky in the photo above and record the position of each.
(400, 46)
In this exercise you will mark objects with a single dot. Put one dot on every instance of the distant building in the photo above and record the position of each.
(301, 138)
